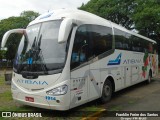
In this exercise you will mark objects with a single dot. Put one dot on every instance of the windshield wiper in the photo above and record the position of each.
(43, 65)
(21, 66)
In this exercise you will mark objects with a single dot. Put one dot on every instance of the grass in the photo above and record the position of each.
(6, 101)
(116, 108)
(131, 102)
(6, 96)
(121, 106)
(1, 80)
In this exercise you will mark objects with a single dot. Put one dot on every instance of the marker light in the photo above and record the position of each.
(61, 90)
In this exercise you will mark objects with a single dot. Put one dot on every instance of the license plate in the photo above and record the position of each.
(30, 99)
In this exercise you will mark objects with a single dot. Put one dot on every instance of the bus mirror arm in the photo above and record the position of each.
(8, 33)
(65, 29)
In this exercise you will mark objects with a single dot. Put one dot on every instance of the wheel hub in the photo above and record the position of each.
(107, 90)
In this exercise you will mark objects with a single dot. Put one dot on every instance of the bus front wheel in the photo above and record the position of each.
(107, 91)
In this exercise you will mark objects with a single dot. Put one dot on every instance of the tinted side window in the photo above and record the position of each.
(144, 45)
(150, 47)
(80, 47)
(121, 40)
(128, 41)
(155, 50)
(100, 39)
(90, 41)
(136, 44)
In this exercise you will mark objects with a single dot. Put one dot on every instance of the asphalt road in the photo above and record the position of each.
(136, 99)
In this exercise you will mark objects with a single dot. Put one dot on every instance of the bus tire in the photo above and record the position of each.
(149, 77)
(106, 91)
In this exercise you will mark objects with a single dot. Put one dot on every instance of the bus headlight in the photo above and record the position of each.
(61, 90)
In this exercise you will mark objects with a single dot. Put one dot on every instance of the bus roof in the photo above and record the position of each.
(86, 17)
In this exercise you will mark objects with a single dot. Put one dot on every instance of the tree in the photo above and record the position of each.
(13, 23)
(30, 15)
(147, 18)
(2, 54)
(12, 46)
(117, 11)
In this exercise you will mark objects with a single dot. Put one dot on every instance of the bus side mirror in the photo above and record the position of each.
(65, 29)
(8, 33)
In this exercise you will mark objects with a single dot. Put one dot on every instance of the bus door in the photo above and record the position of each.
(79, 68)
(94, 80)
(79, 86)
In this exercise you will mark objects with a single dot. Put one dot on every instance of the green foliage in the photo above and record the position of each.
(13, 23)
(30, 15)
(2, 54)
(147, 16)
(118, 11)
(12, 45)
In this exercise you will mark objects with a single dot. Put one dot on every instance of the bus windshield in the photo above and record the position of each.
(39, 51)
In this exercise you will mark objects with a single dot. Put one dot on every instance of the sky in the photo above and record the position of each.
(10, 8)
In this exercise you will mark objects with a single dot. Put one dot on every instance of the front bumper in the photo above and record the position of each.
(39, 101)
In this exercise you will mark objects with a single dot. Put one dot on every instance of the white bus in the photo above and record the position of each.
(70, 57)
